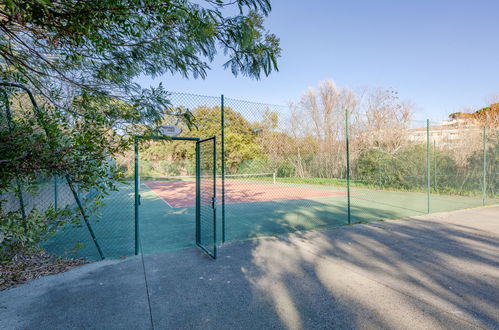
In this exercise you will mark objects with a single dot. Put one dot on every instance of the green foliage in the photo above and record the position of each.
(40, 141)
(100, 47)
(472, 177)
(404, 169)
(162, 168)
(18, 235)
(81, 59)
(282, 167)
(240, 142)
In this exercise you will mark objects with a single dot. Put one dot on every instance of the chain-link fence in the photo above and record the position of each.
(388, 171)
(490, 162)
(456, 167)
(167, 176)
(279, 169)
(294, 181)
(110, 218)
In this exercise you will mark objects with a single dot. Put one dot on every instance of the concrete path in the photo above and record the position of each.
(430, 272)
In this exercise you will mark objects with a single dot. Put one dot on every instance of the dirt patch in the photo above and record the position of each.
(24, 268)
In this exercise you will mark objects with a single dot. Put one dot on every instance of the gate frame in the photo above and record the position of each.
(214, 198)
(137, 183)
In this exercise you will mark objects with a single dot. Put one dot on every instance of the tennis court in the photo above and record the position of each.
(255, 205)
(238, 189)
(424, 168)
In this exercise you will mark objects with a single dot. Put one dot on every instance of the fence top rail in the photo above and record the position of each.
(174, 138)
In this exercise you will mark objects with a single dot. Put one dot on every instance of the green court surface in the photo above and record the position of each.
(164, 228)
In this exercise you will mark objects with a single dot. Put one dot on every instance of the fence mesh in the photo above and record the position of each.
(111, 218)
(388, 171)
(283, 169)
(167, 171)
(456, 166)
(491, 167)
(207, 197)
(309, 190)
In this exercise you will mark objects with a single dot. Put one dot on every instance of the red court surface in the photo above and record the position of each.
(183, 193)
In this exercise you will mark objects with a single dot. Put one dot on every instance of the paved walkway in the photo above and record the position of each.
(437, 271)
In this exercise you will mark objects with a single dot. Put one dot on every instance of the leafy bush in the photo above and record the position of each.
(472, 175)
(24, 235)
(281, 166)
(405, 169)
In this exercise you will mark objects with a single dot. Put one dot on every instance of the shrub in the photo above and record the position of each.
(24, 235)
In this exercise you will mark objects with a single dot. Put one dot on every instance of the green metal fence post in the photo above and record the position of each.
(137, 196)
(428, 163)
(84, 215)
(348, 166)
(198, 197)
(484, 165)
(222, 119)
(214, 197)
(435, 165)
(56, 193)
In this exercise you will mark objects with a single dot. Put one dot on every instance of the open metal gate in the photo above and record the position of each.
(206, 226)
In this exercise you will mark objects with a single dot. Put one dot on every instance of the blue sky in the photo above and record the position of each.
(441, 55)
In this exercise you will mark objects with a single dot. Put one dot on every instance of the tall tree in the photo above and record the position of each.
(64, 48)
(241, 142)
(81, 59)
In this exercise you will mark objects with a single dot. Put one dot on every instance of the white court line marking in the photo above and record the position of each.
(164, 200)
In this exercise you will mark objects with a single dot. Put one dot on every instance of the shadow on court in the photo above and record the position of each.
(434, 271)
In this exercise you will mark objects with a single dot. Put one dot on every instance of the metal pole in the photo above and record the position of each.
(484, 165)
(137, 195)
(198, 197)
(222, 119)
(56, 193)
(214, 197)
(435, 165)
(85, 216)
(379, 174)
(428, 163)
(348, 166)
